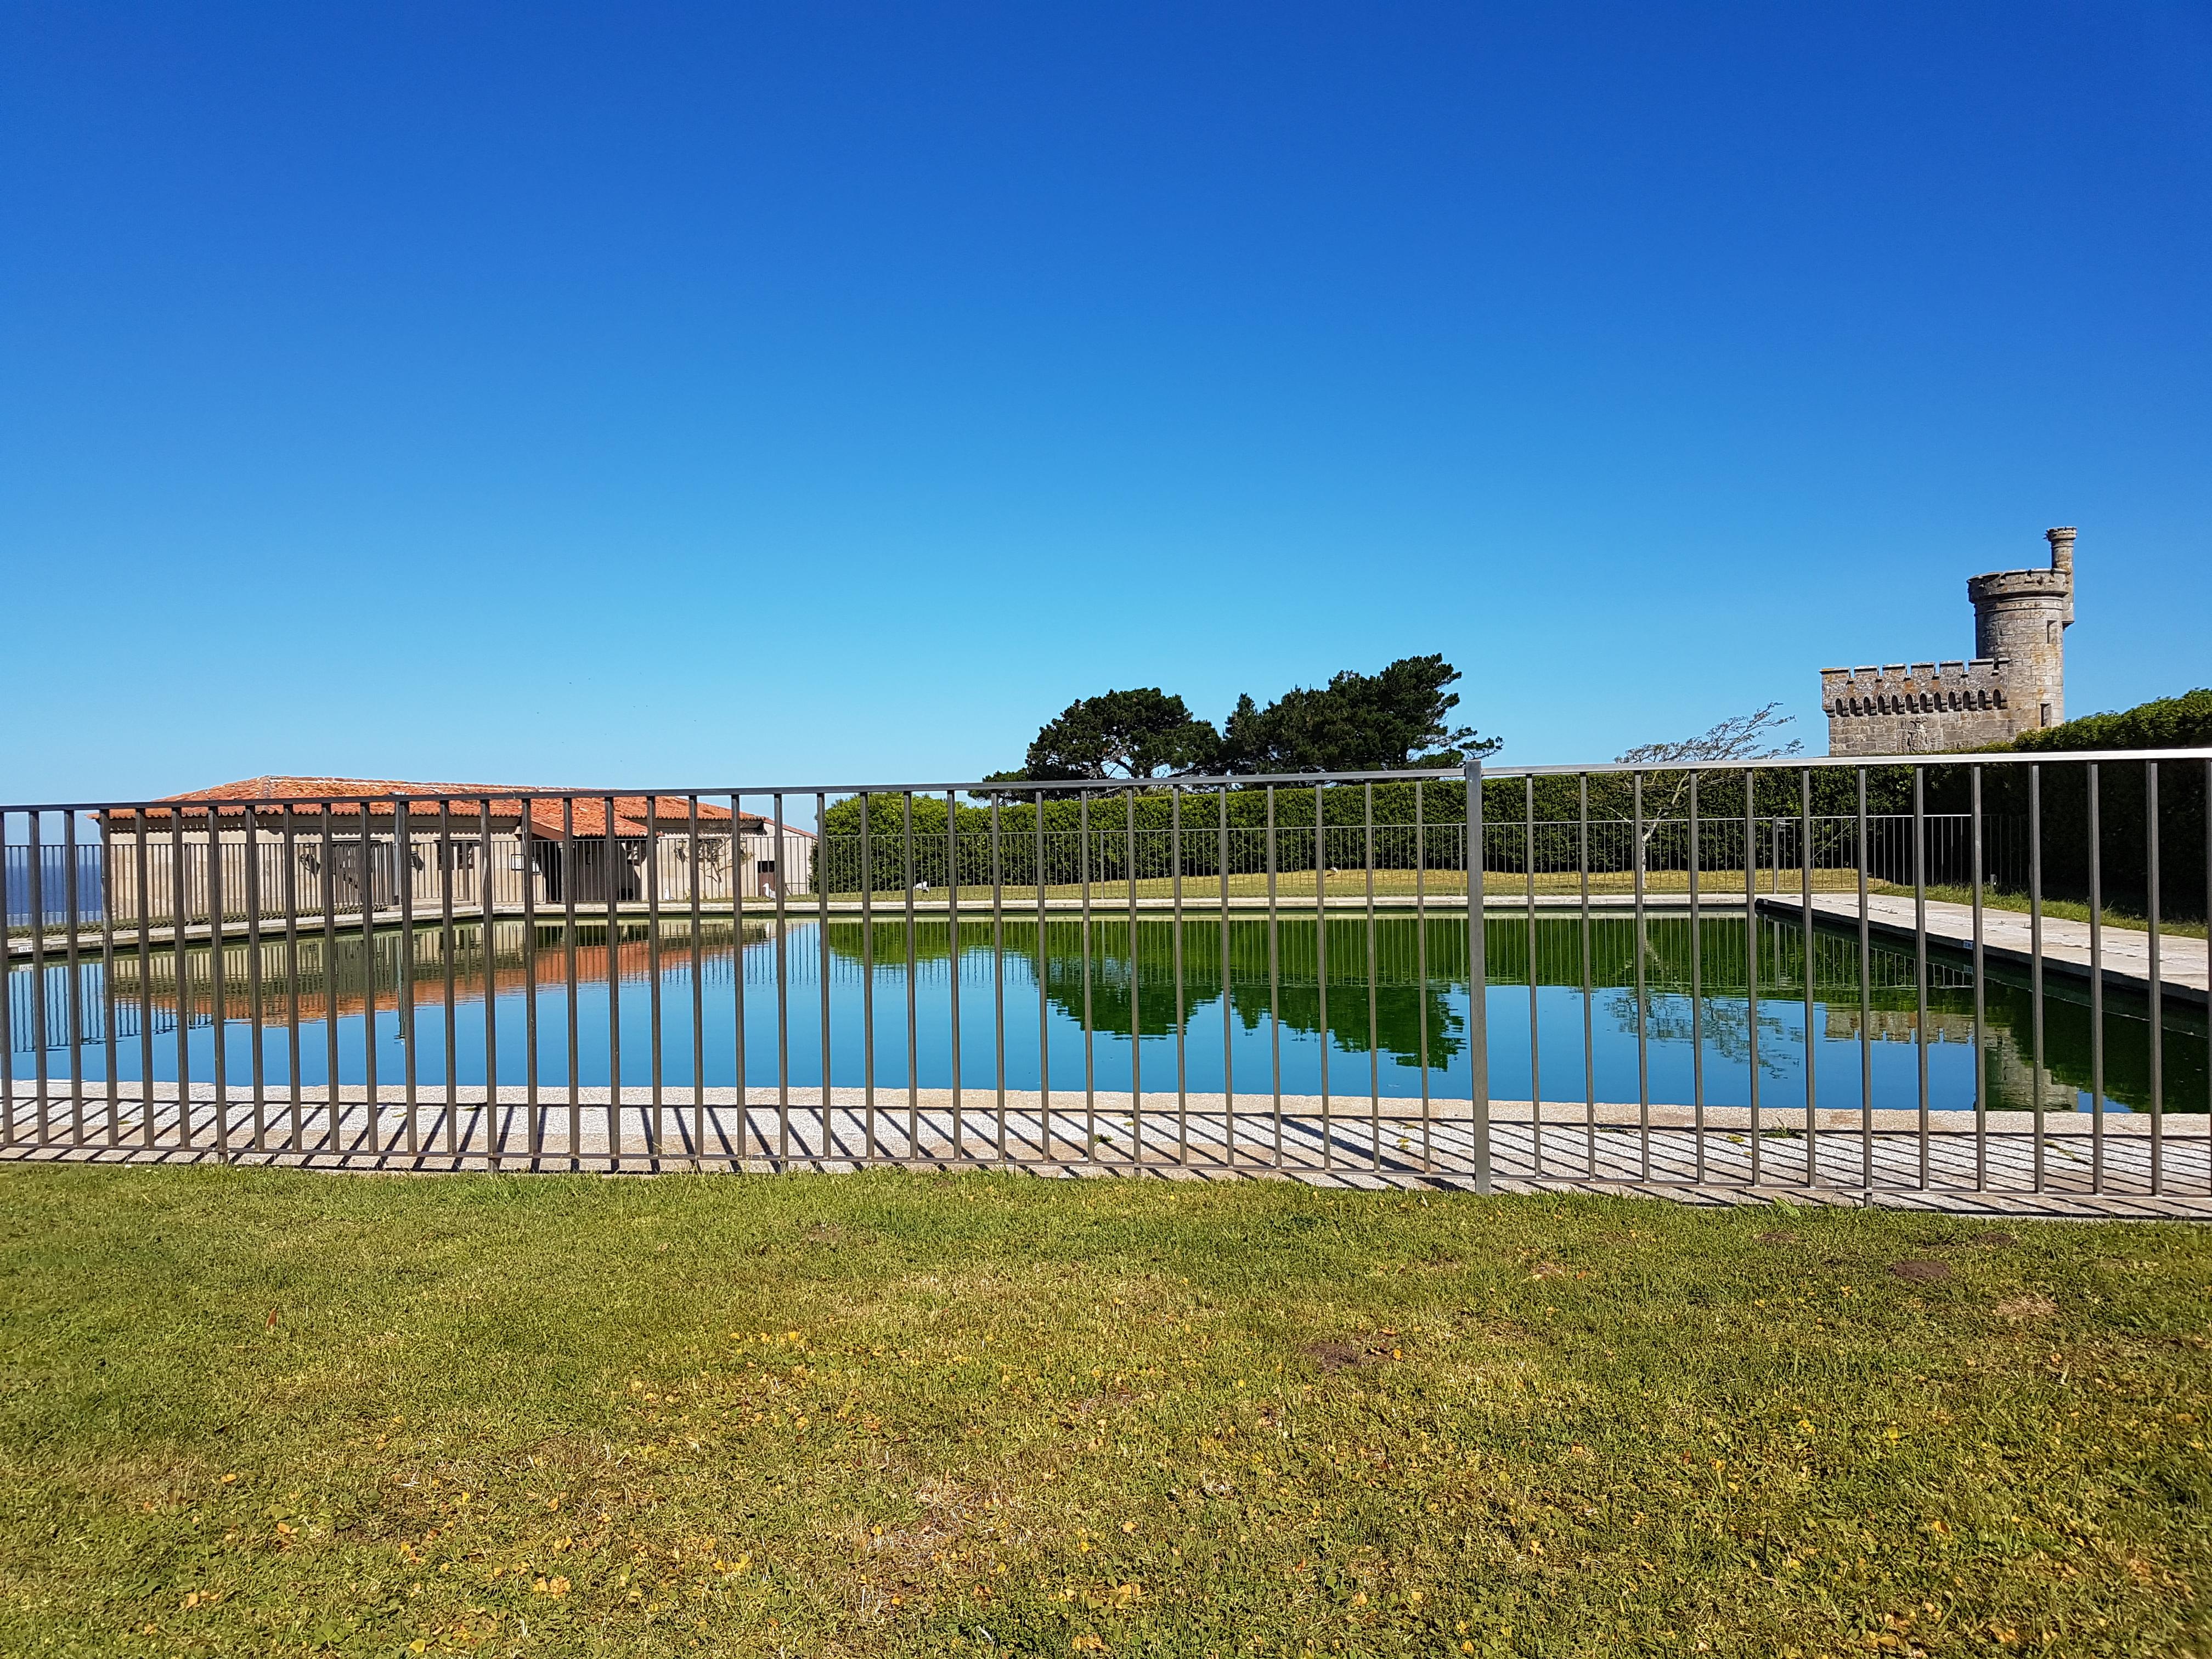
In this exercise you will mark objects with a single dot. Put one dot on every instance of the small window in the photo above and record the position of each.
(767, 867)
(2046, 714)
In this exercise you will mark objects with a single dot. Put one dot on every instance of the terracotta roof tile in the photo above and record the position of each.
(587, 815)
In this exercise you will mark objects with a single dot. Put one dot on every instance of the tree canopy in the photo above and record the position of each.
(1140, 733)
(1397, 718)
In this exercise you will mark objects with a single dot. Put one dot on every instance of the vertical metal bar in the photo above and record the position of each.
(1920, 956)
(1136, 1023)
(999, 978)
(6, 1015)
(737, 976)
(332, 1099)
(1090, 1051)
(217, 916)
(1642, 1000)
(1421, 969)
(35, 877)
(821, 953)
(1274, 976)
(447, 861)
(1374, 1044)
(695, 866)
(1696, 989)
(1044, 1009)
(73, 998)
(525, 830)
(2096, 987)
(253, 976)
(1228, 990)
(2035, 955)
(1477, 984)
(656, 1140)
(291, 856)
(1751, 955)
(1589, 1034)
(2157, 984)
(1866, 1005)
(611, 860)
(913, 1036)
(868, 982)
(108, 1057)
(184, 993)
(147, 1128)
(1535, 1065)
(572, 1015)
(1812, 1037)
(1174, 875)
(1981, 1008)
(783, 988)
(494, 1123)
(365, 887)
(1320, 967)
(403, 877)
(952, 954)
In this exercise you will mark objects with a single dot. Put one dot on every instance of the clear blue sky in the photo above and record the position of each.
(667, 394)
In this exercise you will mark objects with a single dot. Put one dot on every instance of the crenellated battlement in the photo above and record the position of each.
(2017, 683)
(1927, 688)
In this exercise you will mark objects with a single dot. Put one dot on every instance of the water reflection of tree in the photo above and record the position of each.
(1404, 1007)
(1406, 1011)
(1668, 1018)
(1138, 991)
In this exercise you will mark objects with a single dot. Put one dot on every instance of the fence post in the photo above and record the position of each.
(1478, 1042)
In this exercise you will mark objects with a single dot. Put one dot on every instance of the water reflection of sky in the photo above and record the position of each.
(1369, 1031)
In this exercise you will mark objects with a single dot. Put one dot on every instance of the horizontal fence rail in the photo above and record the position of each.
(205, 876)
(1921, 976)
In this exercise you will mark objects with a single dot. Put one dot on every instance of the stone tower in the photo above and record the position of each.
(2016, 682)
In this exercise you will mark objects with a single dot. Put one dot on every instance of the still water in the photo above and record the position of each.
(1389, 1013)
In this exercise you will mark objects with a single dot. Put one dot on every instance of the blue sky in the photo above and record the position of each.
(667, 395)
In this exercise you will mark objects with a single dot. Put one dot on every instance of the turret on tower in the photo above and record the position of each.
(2020, 618)
(2016, 682)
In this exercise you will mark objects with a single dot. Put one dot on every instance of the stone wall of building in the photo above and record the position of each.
(2016, 682)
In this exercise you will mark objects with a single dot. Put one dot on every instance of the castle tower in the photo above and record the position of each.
(2020, 618)
(2016, 682)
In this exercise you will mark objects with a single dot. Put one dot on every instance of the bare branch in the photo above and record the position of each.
(1740, 736)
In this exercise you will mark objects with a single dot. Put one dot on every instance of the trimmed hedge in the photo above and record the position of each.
(2182, 722)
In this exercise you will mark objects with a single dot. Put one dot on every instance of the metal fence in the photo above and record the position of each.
(60, 871)
(1658, 976)
(291, 864)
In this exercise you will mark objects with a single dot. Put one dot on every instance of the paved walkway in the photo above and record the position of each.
(2006, 937)
(2079, 1166)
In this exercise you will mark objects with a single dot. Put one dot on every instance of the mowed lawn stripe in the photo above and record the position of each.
(272, 1412)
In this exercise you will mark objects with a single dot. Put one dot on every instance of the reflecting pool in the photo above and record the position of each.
(1201, 1004)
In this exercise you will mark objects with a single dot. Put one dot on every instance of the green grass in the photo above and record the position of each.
(273, 1412)
(1291, 885)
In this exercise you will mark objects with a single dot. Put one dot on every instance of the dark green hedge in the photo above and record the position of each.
(2182, 722)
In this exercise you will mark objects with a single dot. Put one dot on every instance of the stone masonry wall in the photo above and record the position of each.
(2015, 683)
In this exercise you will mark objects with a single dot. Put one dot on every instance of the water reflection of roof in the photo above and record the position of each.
(547, 968)
(585, 815)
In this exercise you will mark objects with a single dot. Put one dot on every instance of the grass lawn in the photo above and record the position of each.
(1291, 887)
(1345, 885)
(274, 1412)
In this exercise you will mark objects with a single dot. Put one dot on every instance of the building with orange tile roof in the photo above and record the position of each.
(340, 845)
